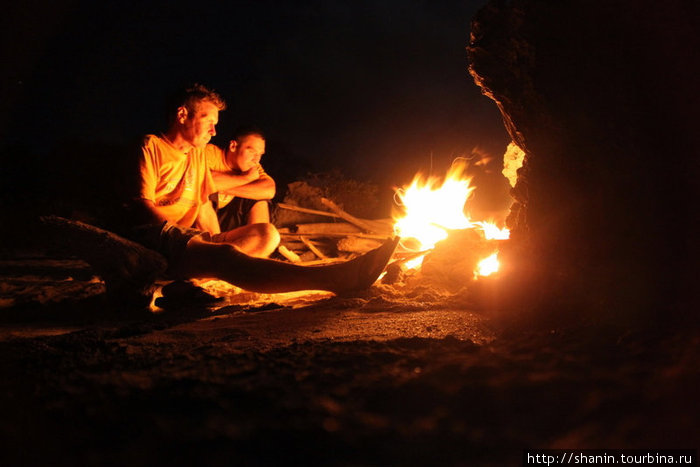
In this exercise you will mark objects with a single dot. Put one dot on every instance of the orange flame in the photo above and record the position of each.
(433, 206)
(487, 266)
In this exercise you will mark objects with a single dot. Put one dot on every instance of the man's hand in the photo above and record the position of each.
(146, 212)
(248, 184)
(251, 174)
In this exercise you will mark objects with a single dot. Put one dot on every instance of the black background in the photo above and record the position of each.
(377, 89)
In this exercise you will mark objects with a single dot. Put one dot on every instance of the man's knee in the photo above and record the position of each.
(268, 234)
(259, 239)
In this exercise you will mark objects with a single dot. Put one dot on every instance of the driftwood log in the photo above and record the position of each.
(357, 245)
(366, 225)
(128, 269)
(324, 239)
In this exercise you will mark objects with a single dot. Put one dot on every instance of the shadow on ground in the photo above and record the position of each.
(352, 381)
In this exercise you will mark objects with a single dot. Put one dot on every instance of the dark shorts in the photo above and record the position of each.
(235, 214)
(168, 239)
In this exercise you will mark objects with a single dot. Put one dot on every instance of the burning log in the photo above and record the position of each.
(452, 262)
(434, 211)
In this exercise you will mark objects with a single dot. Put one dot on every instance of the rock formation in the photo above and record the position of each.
(602, 97)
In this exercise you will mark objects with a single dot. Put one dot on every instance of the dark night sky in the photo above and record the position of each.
(370, 87)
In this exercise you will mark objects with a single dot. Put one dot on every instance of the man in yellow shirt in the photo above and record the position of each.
(243, 188)
(175, 217)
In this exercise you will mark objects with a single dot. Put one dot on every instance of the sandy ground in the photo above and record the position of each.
(388, 377)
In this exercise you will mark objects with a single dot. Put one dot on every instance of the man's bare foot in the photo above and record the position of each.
(361, 272)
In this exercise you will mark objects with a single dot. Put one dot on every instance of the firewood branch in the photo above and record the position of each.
(309, 244)
(291, 207)
(362, 224)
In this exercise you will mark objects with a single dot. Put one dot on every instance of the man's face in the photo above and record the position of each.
(246, 153)
(199, 126)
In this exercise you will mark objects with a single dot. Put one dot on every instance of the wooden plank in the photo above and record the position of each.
(335, 235)
(327, 227)
(291, 207)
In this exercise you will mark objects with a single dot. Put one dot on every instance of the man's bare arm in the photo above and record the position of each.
(148, 212)
(247, 185)
(207, 220)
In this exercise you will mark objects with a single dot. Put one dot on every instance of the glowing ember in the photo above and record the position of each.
(433, 207)
(488, 266)
(414, 263)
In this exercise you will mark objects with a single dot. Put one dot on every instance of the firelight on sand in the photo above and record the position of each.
(433, 206)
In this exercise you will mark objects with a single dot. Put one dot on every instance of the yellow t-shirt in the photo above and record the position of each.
(216, 160)
(177, 183)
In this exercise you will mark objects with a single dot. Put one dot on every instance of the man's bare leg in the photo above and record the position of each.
(259, 213)
(258, 240)
(223, 261)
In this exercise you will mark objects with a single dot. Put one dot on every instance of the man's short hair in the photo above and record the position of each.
(247, 130)
(190, 97)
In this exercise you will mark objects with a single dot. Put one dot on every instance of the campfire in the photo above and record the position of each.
(433, 207)
(440, 244)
